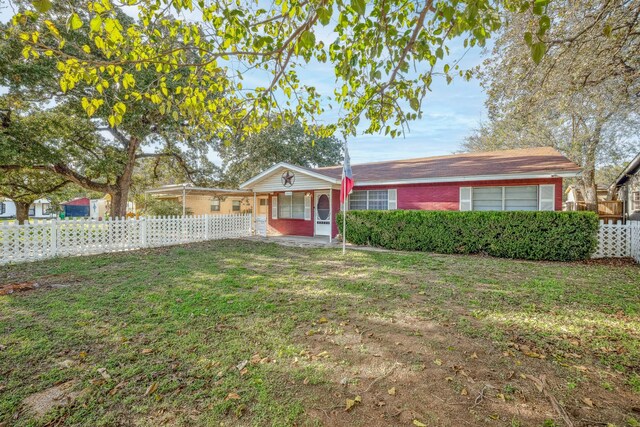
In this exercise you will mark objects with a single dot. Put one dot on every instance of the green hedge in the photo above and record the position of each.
(558, 236)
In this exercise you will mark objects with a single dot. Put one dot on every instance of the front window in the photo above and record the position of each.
(235, 206)
(369, 200)
(291, 206)
(215, 205)
(513, 198)
(32, 210)
(46, 209)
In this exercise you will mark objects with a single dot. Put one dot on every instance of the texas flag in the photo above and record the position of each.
(347, 177)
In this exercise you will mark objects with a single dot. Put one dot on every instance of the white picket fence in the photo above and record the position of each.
(47, 239)
(619, 240)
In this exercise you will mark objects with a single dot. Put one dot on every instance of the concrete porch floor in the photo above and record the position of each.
(297, 241)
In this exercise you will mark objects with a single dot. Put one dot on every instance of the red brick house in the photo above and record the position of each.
(302, 201)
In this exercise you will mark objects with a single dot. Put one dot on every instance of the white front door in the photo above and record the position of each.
(323, 213)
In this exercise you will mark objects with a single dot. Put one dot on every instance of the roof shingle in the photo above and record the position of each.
(519, 161)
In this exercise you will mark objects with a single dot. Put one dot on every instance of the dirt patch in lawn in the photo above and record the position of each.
(403, 370)
(57, 396)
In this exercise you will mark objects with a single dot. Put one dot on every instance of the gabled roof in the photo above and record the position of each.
(528, 161)
(283, 165)
(632, 169)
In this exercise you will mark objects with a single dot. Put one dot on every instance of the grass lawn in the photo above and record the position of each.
(241, 333)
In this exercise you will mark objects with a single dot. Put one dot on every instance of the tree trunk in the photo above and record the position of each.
(589, 189)
(22, 212)
(120, 197)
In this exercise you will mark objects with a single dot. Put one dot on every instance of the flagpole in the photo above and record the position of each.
(345, 202)
(344, 225)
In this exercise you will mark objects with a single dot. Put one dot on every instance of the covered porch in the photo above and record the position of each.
(295, 201)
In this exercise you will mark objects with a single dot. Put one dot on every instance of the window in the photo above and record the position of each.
(635, 200)
(263, 202)
(46, 209)
(215, 205)
(512, 198)
(291, 206)
(32, 210)
(235, 207)
(3, 208)
(369, 200)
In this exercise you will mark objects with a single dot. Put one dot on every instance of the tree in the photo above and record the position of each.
(384, 54)
(582, 97)
(25, 186)
(243, 159)
(103, 153)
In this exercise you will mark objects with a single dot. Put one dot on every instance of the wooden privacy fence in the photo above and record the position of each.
(619, 240)
(47, 239)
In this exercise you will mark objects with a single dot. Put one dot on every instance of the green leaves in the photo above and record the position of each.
(308, 39)
(74, 22)
(324, 15)
(359, 6)
(41, 6)
(537, 51)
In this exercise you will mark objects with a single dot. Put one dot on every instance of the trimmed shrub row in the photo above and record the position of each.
(557, 236)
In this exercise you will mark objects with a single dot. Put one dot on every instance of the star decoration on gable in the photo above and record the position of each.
(288, 178)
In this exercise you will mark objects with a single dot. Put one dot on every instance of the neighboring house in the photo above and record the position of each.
(303, 201)
(205, 200)
(77, 208)
(40, 209)
(628, 189)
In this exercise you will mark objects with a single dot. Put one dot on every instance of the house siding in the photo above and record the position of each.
(432, 196)
(446, 195)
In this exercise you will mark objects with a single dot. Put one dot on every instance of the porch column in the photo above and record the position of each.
(255, 213)
(184, 199)
(330, 214)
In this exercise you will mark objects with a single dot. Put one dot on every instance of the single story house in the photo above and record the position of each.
(40, 209)
(205, 200)
(628, 189)
(304, 201)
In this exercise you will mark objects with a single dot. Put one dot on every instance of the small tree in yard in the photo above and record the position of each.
(25, 186)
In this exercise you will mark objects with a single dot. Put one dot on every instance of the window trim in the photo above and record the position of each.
(215, 199)
(392, 199)
(635, 200)
(234, 206)
(466, 200)
(282, 198)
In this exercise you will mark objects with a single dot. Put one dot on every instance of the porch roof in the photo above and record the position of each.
(180, 189)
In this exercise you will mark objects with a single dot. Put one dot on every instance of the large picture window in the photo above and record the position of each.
(291, 206)
(512, 198)
(369, 200)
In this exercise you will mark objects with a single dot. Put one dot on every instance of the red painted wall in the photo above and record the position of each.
(433, 196)
(292, 227)
(446, 195)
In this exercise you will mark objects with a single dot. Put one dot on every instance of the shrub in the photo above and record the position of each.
(558, 236)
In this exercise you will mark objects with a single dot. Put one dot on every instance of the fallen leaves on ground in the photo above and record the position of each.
(352, 402)
(392, 391)
(232, 396)
(151, 389)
